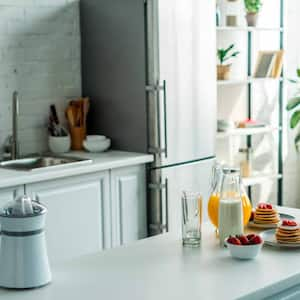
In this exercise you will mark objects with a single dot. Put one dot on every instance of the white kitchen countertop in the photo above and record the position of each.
(101, 161)
(160, 268)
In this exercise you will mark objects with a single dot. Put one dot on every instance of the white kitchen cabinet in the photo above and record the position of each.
(78, 219)
(128, 199)
(90, 212)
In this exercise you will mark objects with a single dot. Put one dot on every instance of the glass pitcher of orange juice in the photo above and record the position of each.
(214, 200)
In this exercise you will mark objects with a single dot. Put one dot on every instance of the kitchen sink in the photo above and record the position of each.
(42, 162)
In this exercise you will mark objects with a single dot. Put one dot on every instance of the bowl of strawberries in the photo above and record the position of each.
(244, 246)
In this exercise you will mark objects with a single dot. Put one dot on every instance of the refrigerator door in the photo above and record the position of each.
(181, 80)
(165, 196)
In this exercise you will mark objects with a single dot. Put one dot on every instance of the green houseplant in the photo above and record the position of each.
(293, 106)
(252, 9)
(223, 70)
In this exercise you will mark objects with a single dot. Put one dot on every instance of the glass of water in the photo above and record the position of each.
(191, 219)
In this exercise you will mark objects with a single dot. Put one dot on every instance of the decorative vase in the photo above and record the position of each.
(251, 19)
(223, 72)
(231, 21)
(218, 15)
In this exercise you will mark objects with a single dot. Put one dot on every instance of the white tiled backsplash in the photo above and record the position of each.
(40, 58)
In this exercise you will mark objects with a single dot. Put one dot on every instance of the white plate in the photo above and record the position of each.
(262, 226)
(270, 226)
(269, 238)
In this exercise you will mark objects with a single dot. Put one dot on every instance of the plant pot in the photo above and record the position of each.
(223, 72)
(59, 144)
(252, 19)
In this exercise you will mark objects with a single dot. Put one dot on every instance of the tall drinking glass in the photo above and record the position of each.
(191, 219)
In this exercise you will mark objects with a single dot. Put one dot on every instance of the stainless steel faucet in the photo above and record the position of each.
(14, 139)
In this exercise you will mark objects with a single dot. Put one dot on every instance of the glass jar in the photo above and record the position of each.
(245, 161)
(214, 199)
(230, 207)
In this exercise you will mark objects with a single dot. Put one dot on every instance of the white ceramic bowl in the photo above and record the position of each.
(224, 125)
(244, 251)
(94, 138)
(59, 144)
(96, 146)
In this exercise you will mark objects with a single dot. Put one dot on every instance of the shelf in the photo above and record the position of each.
(246, 131)
(260, 178)
(248, 29)
(247, 80)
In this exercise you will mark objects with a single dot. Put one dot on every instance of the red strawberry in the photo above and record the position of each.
(256, 240)
(265, 206)
(250, 236)
(243, 239)
(262, 206)
(285, 222)
(289, 223)
(233, 240)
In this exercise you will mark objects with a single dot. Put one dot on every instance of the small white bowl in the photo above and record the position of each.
(96, 146)
(94, 138)
(244, 251)
(59, 144)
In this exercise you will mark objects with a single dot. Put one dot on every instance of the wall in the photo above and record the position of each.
(40, 58)
(232, 101)
(292, 159)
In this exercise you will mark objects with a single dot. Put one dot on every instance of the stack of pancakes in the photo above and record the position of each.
(266, 216)
(288, 235)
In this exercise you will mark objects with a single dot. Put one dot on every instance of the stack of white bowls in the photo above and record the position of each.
(225, 125)
(96, 143)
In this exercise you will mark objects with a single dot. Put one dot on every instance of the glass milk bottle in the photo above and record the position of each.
(230, 208)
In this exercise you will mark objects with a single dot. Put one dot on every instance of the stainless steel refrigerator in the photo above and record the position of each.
(149, 68)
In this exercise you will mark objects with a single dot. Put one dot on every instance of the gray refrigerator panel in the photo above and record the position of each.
(182, 83)
(165, 194)
(114, 70)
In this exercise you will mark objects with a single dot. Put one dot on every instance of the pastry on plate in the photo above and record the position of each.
(288, 232)
(266, 213)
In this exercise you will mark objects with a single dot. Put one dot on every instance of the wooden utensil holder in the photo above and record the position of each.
(78, 134)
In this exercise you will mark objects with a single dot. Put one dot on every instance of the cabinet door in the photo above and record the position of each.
(188, 69)
(74, 224)
(128, 194)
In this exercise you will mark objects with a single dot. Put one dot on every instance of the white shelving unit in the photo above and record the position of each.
(260, 178)
(248, 29)
(247, 81)
(246, 131)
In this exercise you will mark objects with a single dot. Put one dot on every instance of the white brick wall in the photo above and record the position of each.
(40, 58)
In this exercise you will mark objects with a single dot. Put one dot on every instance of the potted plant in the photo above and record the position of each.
(252, 9)
(223, 70)
(293, 106)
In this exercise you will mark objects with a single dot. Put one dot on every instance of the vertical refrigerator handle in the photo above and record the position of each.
(167, 204)
(165, 117)
(156, 89)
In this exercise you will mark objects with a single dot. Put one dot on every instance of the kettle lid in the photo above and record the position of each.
(22, 207)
